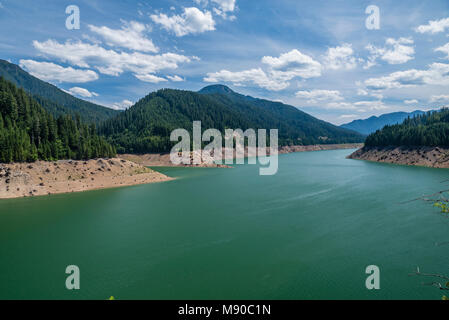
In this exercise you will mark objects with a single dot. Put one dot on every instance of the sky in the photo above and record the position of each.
(337, 60)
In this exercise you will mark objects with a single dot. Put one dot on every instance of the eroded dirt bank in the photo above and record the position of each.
(163, 159)
(434, 157)
(64, 176)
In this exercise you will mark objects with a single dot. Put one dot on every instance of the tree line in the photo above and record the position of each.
(430, 129)
(29, 133)
(146, 127)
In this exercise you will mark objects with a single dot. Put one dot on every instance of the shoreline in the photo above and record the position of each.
(18, 180)
(40, 178)
(163, 159)
(431, 157)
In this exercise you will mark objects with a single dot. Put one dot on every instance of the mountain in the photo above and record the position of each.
(374, 123)
(430, 129)
(53, 99)
(146, 126)
(28, 132)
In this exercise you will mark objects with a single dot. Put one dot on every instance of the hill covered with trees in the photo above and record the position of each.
(372, 124)
(430, 130)
(146, 126)
(28, 132)
(53, 99)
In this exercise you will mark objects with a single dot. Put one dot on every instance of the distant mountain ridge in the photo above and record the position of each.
(372, 124)
(53, 99)
(146, 126)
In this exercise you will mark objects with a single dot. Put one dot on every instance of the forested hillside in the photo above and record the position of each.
(146, 126)
(430, 129)
(53, 99)
(28, 132)
(372, 124)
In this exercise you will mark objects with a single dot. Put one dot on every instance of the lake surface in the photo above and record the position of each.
(308, 232)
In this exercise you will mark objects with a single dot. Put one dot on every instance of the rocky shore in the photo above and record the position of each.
(434, 157)
(163, 159)
(64, 176)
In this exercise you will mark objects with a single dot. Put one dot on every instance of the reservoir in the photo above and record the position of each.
(308, 232)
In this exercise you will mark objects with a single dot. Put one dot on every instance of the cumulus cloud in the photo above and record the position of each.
(280, 70)
(293, 64)
(434, 26)
(175, 78)
(444, 49)
(123, 105)
(225, 5)
(363, 92)
(82, 92)
(341, 57)
(253, 76)
(412, 101)
(396, 51)
(436, 74)
(109, 62)
(48, 71)
(191, 21)
(315, 96)
(359, 106)
(150, 78)
(439, 99)
(130, 36)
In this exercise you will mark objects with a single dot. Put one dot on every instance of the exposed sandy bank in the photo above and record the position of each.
(163, 159)
(434, 157)
(43, 178)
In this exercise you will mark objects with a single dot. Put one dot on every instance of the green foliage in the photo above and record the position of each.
(51, 98)
(444, 206)
(430, 129)
(147, 125)
(28, 132)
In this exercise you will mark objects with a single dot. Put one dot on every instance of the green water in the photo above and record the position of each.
(306, 233)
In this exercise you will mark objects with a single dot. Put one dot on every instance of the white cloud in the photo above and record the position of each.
(150, 78)
(107, 61)
(412, 101)
(341, 57)
(48, 71)
(125, 104)
(293, 64)
(359, 106)
(280, 71)
(253, 76)
(444, 49)
(130, 36)
(175, 78)
(436, 74)
(396, 51)
(439, 99)
(315, 96)
(82, 92)
(363, 92)
(434, 26)
(225, 5)
(191, 21)
(338, 106)
(371, 105)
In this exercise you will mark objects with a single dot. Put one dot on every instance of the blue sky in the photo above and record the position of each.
(316, 55)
